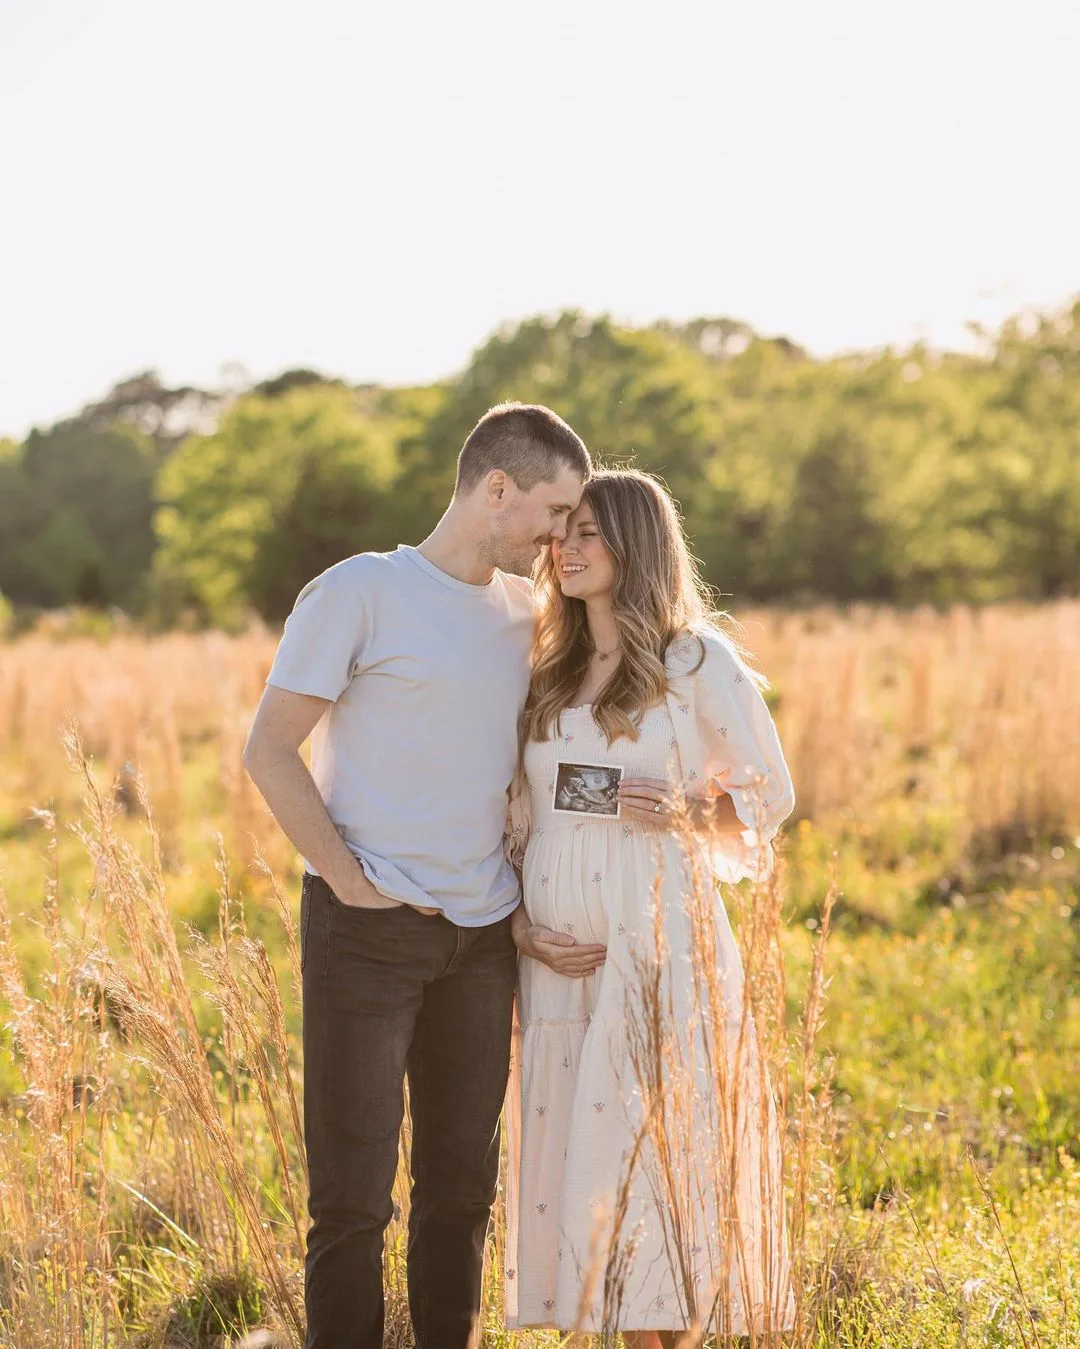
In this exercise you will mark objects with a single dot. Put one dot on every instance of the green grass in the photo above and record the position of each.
(953, 1040)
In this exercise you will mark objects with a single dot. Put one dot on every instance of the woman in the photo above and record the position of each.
(620, 1210)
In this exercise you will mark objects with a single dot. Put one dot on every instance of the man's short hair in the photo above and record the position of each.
(527, 441)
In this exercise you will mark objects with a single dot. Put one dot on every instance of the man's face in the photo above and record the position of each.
(526, 521)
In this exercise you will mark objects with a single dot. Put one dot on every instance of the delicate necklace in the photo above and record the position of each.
(603, 655)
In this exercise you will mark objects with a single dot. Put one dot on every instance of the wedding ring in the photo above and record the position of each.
(656, 808)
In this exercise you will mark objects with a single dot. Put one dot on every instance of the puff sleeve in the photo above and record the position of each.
(741, 755)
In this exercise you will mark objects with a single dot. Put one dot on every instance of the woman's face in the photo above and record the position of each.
(583, 565)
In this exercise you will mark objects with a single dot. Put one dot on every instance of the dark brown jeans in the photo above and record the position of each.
(390, 993)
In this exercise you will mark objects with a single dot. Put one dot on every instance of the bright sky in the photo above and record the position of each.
(370, 188)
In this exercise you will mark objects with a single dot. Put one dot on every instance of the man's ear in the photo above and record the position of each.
(495, 486)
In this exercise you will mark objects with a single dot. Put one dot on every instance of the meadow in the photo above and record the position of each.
(925, 990)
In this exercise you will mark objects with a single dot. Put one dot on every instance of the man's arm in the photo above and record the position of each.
(283, 722)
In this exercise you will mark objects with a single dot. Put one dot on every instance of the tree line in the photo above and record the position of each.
(897, 475)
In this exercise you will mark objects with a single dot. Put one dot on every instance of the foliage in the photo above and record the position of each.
(75, 516)
(285, 486)
(906, 475)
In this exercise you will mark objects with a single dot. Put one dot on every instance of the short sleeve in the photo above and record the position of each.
(742, 755)
(324, 638)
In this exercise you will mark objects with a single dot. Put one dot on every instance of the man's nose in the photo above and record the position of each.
(558, 530)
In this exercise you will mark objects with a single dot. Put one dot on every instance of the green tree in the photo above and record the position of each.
(907, 474)
(75, 516)
(284, 487)
(1037, 397)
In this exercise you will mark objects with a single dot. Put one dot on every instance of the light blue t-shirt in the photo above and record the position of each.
(427, 675)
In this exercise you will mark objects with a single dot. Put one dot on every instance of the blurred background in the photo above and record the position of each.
(262, 266)
(262, 271)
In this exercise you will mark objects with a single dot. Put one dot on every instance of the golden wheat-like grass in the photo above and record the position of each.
(142, 1152)
(976, 707)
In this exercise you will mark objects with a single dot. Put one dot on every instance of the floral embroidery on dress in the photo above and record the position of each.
(627, 832)
(541, 1110)
(692, 774)
(543, 880)
(738, 678)
(596, 878)
(541, 1208)
(622, 929)
(569, 927)
(674, 743)
(549, 1302)
(511, 1274)
(684, 708)
(568, 738)
(722, 730)
(566, 1063)
(598, 1106)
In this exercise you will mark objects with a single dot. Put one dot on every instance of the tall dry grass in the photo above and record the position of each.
(974, 710)
(730, 1123)
(151, 1153)
(113, 1032)
(977, 708)
(144, 706)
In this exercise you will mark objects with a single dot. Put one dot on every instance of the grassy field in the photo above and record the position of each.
(151, 1174)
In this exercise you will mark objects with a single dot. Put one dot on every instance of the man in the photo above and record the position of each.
(412, 668)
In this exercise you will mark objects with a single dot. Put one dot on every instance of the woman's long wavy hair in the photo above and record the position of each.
(658, 595)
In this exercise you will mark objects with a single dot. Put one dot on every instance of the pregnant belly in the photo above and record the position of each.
(568, 882)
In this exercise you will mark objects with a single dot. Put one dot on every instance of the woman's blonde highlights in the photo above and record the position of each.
(657, 595)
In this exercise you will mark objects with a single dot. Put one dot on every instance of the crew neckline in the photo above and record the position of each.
(451, 582)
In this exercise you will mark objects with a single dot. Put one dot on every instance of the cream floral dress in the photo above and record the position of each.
(574, 1108)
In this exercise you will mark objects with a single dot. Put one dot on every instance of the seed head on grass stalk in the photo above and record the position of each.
(136, 916)
(54, 1228)
(150, 998)
(243, 985)
(988, 1194)
(708, 1140)
(262, 867)
(181, 1077)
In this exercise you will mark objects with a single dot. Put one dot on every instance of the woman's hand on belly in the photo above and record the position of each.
(557, 950)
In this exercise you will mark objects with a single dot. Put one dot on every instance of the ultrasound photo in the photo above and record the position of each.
(587, 789)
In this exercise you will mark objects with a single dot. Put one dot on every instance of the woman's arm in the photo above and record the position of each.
(557, 950)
